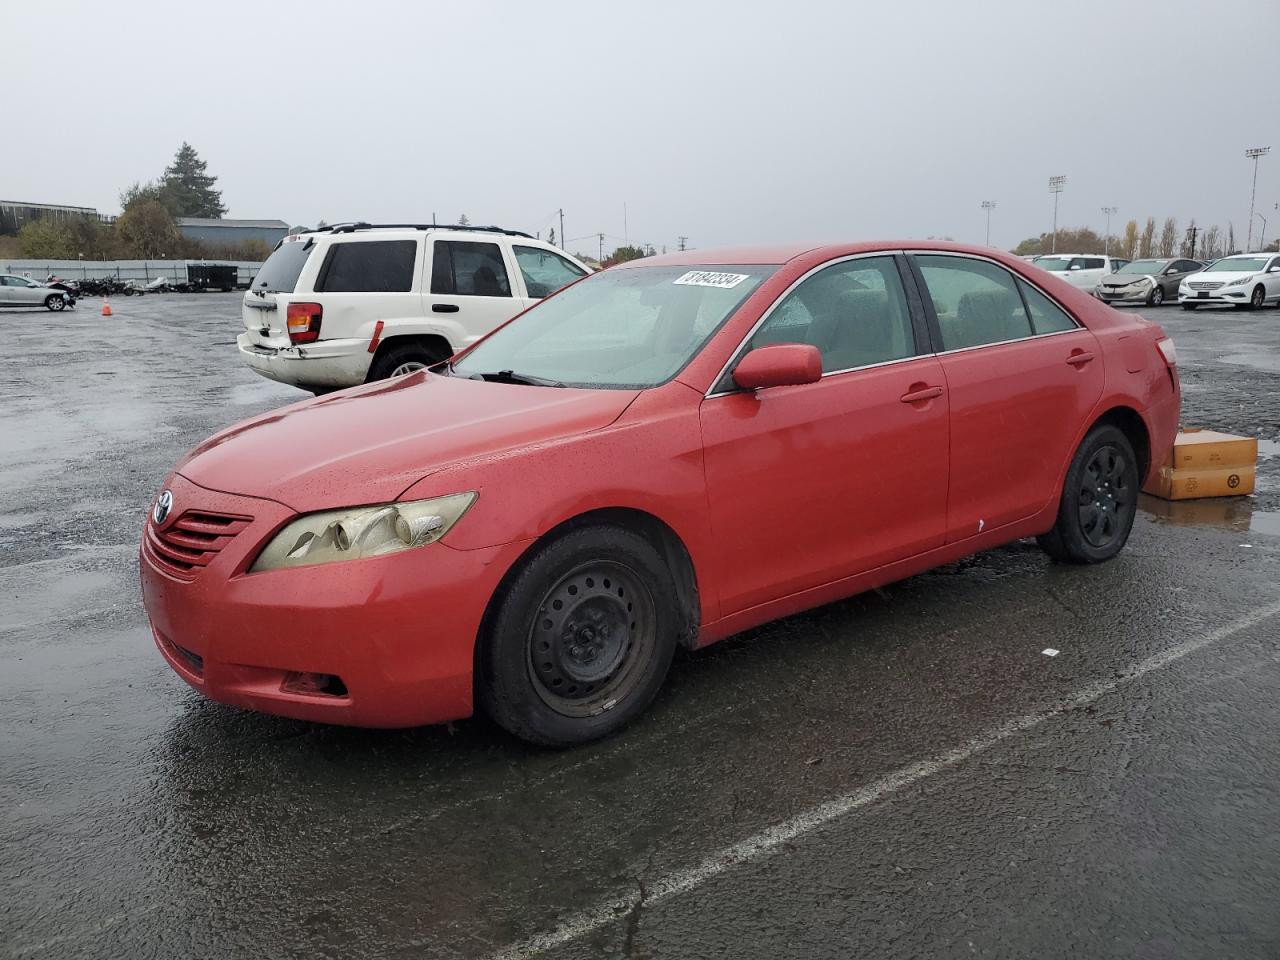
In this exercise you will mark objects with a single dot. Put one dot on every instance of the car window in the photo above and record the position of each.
(1046, 316)
(976, 301)
(281, 271)
(468, 269)
(1094, 263)
(545, 272)
(854, 312)
(374, 266)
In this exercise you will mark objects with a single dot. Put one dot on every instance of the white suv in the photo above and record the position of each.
(1081, 270)
(352, 303)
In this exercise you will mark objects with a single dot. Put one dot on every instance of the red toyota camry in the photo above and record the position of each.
(662, 454)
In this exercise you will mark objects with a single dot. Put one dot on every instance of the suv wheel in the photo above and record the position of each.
(580, 640)
(396, 361)
(1099, 500)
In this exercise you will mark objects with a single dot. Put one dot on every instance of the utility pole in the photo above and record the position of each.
(1253, 153)
(1106, 239)
(600, 258)
(563, 239)
(1055, 187)
(988, 205)
(1191, 235)
(682, 242)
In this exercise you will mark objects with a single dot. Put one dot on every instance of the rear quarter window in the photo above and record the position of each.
(281, 271)
(368, 266)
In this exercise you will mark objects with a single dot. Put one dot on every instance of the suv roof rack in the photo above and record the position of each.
(353, 226)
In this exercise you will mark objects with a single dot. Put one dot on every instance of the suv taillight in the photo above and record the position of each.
(302, 320)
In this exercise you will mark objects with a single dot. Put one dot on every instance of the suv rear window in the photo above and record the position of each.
(373, 266)
(280, 273)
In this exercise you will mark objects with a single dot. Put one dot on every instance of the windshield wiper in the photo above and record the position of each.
(510, 376)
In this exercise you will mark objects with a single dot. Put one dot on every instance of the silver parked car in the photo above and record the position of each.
(1147, 281)
(21, 292)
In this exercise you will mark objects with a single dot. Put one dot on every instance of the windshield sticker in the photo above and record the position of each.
(704, 278)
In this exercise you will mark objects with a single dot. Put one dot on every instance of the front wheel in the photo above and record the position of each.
(55, 302)
(581, 639)
(1258, 299)
(1099, 500)
(1190, 306)
(1156, 299)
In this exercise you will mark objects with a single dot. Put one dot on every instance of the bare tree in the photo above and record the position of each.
(1210, 248)
(1168, 237)
(1147, 241)
(1230, 248)
(1129, 246)
(1187, 250)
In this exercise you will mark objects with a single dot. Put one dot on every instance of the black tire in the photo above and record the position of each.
(1156, 297)
(55, 302)
(1099, 500)
(580, 639)
(396, 356)
(1190, 306)
(1258, 299)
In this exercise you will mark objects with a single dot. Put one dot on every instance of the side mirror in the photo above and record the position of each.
(1171, 271)
(1275, 269)
(1074, 266)
(779, 365)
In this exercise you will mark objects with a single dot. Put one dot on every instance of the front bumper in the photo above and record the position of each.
(398, 631)
(1234, 295)
(1138, 294)
(325, 363)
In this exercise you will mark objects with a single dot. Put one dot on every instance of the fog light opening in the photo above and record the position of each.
(314, 684)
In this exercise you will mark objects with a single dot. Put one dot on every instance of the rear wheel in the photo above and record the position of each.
(397, 360)
(1099, 500)
(580, 640)
(55, 302)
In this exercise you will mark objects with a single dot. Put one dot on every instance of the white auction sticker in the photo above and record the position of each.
(704, 278)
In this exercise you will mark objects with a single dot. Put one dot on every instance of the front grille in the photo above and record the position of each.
(192, 541)
(1204, 284)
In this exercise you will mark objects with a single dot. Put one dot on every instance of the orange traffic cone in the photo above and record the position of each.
(106, 307)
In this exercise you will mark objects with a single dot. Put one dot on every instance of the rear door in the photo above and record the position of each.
(469, 288)
(1022, 376)
(364, 279)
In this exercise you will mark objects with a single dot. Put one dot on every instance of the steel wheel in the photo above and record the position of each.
(1105, 499)
(408, 367)
(593, 638)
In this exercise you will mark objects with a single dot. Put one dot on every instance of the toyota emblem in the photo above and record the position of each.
(163, 505)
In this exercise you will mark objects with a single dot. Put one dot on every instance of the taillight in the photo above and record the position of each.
(1168, 351)
(302, 320)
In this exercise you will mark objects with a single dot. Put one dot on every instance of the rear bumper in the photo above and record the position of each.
(398, 631)
(325, 363)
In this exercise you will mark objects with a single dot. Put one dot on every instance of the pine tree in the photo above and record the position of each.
(463, 221)
(189, 188)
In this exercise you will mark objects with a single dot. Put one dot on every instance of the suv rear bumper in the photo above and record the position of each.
(325, 363)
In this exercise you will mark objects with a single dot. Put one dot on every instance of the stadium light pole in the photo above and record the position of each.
(1253, 153)
(988, 205)
(1106, 239)
(1055, 187)
(1262, 240)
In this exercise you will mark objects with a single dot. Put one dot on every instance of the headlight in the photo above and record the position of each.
(1241, 282)
(362, 532)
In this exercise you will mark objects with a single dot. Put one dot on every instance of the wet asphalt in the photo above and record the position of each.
(903, 774)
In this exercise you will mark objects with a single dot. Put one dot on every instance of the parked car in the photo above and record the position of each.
(1146, 281)
(1082, 271)
(671, 451)
(18, 291)
(1247, 280)
(354, 303)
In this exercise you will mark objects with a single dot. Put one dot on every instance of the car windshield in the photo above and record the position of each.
(626, 328)
(1144, 266)
(1054, 264)
(1237, 265)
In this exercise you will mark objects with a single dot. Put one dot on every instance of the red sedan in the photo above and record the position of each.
(663, 454)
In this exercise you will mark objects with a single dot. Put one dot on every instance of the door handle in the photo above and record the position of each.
(1080, 358)
(445, 308)
(922, 393)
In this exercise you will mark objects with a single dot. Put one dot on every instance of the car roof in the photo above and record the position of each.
(784, 253)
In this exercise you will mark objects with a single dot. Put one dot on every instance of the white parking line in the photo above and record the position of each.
(768, 841)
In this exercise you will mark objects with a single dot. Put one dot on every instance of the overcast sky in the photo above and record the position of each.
(735, 122)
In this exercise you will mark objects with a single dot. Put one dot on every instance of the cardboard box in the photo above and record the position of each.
(1203, 463)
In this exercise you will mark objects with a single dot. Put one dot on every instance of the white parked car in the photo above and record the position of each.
(20, 292)
(353, 303)
(1247, 280)
(1081, 270)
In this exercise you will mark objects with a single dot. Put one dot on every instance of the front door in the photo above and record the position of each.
(1022, 376)
(469, 291)
(812, 483)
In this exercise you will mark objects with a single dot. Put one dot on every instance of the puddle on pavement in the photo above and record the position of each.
(1268, 449)
(1229, 513)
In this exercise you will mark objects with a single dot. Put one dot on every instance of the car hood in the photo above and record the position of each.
(370, 443)
(1121, 279)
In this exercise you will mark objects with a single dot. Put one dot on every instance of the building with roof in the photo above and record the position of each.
(16, 214)
(231, 233)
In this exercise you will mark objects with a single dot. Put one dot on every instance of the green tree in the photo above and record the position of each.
(551, 238)
(189, 186)
(148, 191)
(44, 238)
(1070, 240)
(146, 231)
(623, 254)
